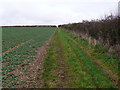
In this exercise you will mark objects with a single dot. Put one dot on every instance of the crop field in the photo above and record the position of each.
(19, 49)
(49, 57)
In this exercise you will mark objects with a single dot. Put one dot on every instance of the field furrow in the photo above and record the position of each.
(15, 47)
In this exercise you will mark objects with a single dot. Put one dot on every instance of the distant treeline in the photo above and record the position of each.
(104, 31)
(32, 26)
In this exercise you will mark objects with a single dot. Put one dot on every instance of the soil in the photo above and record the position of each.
(35, 70)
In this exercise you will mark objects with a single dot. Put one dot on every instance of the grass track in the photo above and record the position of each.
(107, 63)
(112, 75)
(79, 70)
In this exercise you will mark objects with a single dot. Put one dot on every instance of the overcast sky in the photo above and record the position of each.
(53, 12)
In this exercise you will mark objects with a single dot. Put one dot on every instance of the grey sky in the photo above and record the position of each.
(44, 12)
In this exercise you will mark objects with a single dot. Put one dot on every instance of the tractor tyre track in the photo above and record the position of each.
(113, 77)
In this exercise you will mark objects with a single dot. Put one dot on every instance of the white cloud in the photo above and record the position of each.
(14, 12)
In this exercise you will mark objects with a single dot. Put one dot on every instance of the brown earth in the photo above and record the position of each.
(33, 78)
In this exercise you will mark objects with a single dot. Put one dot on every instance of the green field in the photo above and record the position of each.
(13, 36)
(70, 62)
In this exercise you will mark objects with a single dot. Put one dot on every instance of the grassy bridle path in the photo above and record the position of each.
(112, 75)
(68, 65)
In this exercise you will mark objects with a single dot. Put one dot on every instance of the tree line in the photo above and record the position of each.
(105, 31)
(31, 26)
